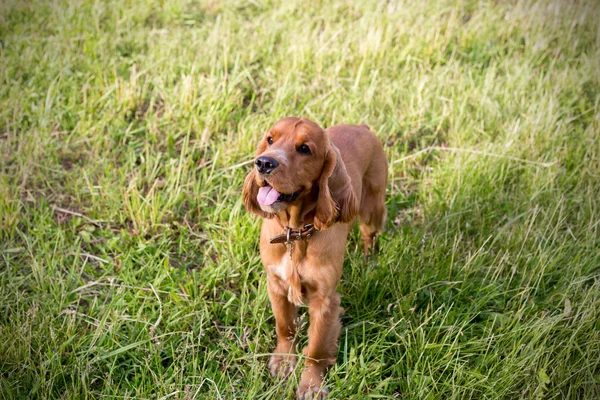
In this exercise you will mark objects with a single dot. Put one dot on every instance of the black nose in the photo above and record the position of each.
(266, 165)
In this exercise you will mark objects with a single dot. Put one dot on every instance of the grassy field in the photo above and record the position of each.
(130, 269)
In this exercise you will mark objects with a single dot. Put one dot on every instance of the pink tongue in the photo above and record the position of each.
(267, 195)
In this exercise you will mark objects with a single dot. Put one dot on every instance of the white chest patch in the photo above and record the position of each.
(281, 270)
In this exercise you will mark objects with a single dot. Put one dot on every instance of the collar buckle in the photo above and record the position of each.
(291, 235)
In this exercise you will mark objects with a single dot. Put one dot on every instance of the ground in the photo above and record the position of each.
(130, 269)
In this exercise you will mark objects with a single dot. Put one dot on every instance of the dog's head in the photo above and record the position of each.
(296, 159)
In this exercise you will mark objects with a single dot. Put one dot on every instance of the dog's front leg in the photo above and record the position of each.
(321, 351)
(284, 359)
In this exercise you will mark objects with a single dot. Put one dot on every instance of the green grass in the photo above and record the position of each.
(130, 269)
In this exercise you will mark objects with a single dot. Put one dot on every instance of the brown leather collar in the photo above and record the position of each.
(291, 235)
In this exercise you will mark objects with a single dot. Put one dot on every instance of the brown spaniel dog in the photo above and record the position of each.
(309, 185)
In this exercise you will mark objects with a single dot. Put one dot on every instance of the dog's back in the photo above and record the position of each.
(367, 167)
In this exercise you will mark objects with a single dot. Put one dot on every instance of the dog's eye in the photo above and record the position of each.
(304, 149)
(270, 140)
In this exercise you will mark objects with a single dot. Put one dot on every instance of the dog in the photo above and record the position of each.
(309, 184)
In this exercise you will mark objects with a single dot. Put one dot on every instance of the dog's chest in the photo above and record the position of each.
(281, 268)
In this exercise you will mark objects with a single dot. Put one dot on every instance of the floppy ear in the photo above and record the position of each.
(251, 188)
(250, 193)
(337, 201)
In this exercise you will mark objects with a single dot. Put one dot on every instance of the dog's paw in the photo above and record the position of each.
(282, 366)
(311, 386)
(306, 392)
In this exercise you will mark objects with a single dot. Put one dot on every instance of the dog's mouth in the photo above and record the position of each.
(267, 196)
